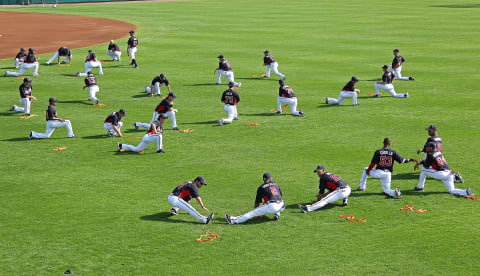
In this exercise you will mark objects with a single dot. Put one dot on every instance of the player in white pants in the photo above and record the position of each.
(61, 52)
(230, 98)
(154, 134)
(155, 84)
(29, 62)
(164, 107)
(113, 123)
(132, 47)
(91, 62)
(25, 97)
(348, 91)
(436, 167)
(114, 51)
(225, 69)
(53, 122)
(91, 83)
(386, 84)
(337, 189)
(270, 192)
(396, 66)
(287, 96)
(272, 64)
(19, 58)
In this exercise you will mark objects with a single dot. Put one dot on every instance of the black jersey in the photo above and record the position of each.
(388, 77)
(132, 41)
(91, 57)
(64, 51)
(114, 47)
(383, 159)
(90, 81)
(397, 61)
(160, 80)
(113, 118)
(156, 125)
(20, 55)
(270, 192)
(286, 92)
(268, 59)
(164, 106)
(437, 140)
(186, 191)
(437, 161)
(330, 182)
(225, 65)
(230, 97)
(25, 90)
(350, 86)
(30, 58)
(51, 112)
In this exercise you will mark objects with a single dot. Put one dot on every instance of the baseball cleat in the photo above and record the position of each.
(356, 104)
(12, 108)
(284, 78)
(276, 217)
(161, 151)
(458, 178)
(279, 112)
(411, 78)
(5, 74)
(236, 118)
(47, 63)
(110, 134)
(239, 84)
(77, 74)
(418, 189)
(73, 136)
(228, 218)
(96, 102)
(469, 191)
(27, 114)
(175, 128)
(173, 212)
(376, 95)
(345, 201)
(301, 113)
(30, 136)
(326, 100)
(303, 208)
(406, 95)
(360, 189)
(398, 194)
(135, 126)
(220, 122)
(119, 146)
(209, 219)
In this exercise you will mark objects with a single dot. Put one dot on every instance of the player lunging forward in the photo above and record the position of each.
(287, 96)
(225, 69)
(154, 134)
(387, 84)
(53, 122)
(348, 91)
(164, 107)
(113, 124)
(25, 97)
(396, 66)
(271, 63)
(230, 98)
(91, 83)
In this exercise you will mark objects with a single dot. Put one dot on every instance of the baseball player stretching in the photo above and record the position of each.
(132, 47)
(230, 98)
(61, 52)
(114, 51)
(19, 58)
(30, 61)
(91, 62)
(164, 107)
(396, 66)
(286, 95)
(386, 84)
(224, 69)
(25, 97)
(348, 91)
(269, 61)
(113, 123)
(337, 189)
(181, 195)
(53, 122)
(91, 83)
(156, 83)
(270, 192)
(383, 161)
(436, 167)
(154, 134)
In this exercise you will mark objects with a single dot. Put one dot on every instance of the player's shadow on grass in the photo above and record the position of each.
(461, 6)
(99, 136)
(372, 80)
(254, 78)
(203, 123)
(11, 113)
(265, 114)
(76, 102)
(206, 84)
(167, 217)
(406, 176)
(143, 95)
(412, 192)
(358, 194)
(335, 105)
(16, 139)
(326, 207)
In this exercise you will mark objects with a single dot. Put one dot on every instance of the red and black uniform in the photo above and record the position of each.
(383, 159)
(435, 139)
(436, 160)
(186, 191)
(230, 97)
(164, 106)
(331, 182)
(25, 90)
(20, 55)
(91, 57)
(30, 58)
(156, 125)
(397, 61)
(90, 81)
(225, 65)
(114, 47)
(160, 80)
(64, 51)
(132, 41)
(388, 77)
(286, 92)
(51, 113)
(269, 192)
(113, 118)
(350, 86)
(268, 59)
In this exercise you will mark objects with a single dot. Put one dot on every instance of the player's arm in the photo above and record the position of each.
(117, 130)
(32, 98)
(58, 59)
(201, 204)
(370, 167)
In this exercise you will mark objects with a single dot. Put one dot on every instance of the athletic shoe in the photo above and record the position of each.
(326, 100)
(110, 134)
(209, 219)
(96, 102)
(376, 95)
(469, 191)
(276, 217)
(345, 201)
(418, 189)
(36, 75)
(458, 178)
(77, 74)
(398, 194)
(175, 128)
(228, 218)
(135, 126)
(220, 122)
(5, 74)
(360, 189)
(411, 78)
(100, 73)
(173, 212)
(303, 208)
(239, 84)
(406, 95)
(30, 136)
(13, 108)
(47, 63)
(356, 104)
(161, 151)
(284, 78)
(279, 112)
(27, 114)
(236, 118)
(119, 146)
(73, 136)
(301, 113)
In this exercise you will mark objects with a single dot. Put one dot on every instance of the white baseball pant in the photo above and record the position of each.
(24, 67)
(92, 90)
(292, 102)
(146, 140)
(132, 52)
(109, 127)
(91, 64)
(26, 106)
(397, 72)
(55, 56)
(228, 74)
(232, 113)
(267, 208)
(51, 126)
(389, 88)
(445, 176)
(274, 68)
(178, 202)
(384, 176)
(343, 95)
(115, 55)
(170, 114)
(156, 88)
(329, 198)
(17, 62)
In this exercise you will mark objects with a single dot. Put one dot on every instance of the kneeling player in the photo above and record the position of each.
(230, 98)
(113, 123)
(25, 97)
(91, 83)
(348, 91)
(286, 95)
(337, 189)
(154, 134)
(156, 83)
(387, 84)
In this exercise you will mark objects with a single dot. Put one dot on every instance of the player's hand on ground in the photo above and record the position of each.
(205, 209)
(418, 151)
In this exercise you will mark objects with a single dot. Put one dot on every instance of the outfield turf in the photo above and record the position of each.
(99, 212)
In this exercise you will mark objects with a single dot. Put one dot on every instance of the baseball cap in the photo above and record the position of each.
(385, 66)
(27, 80)
(267, 175)
(431, 145)
(396, 50)
(123, 112)
(281, 82)
(22, 49)
(220, 56)
(31, 49)
(431, 127)
(354, 78)
(90, 51)
(89, 73)
(319, 168)
(162, 75)
(52, 99)
(201, 179)
(172, 94)
(162, 116)
(132, 32)
(266, 52)
(231, 84)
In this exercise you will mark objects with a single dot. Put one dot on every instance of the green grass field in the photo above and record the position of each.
(99, 212)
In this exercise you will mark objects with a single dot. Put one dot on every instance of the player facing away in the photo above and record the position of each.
(230, 98)
(91, 83)
(30, 61)
(396, 66)
(383, 161)
(436, 167)
(113, 123)
(287, 96)
(183, 193)
(132, 48)
(114, 51)
(61, 52)
(25, 97)
(156, 83)
(271, 63)
(53, 122)
(337, 189)
(348, 91)
(19, 58)
(91, 62)
(164, 107)
(270, 192)
(225, 69)
(154, 134)
(387, 84)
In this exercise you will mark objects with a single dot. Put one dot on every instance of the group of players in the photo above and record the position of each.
(331, 186)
